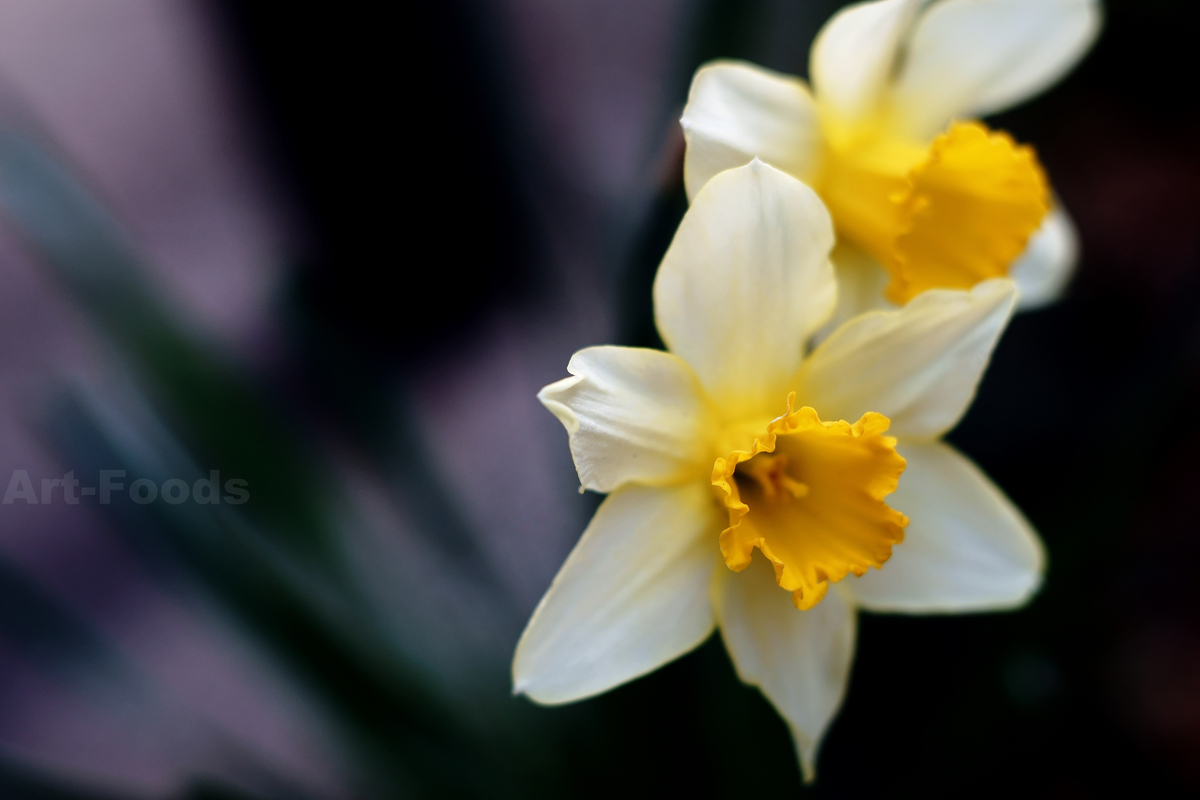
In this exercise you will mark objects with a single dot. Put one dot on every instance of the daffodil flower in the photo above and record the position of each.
(889, 138)
(735, 441)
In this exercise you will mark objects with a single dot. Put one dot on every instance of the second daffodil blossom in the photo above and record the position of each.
(889, 138)
(741, 495)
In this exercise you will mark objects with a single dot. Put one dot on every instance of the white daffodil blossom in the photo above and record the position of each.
(889, 138)
(715, 448)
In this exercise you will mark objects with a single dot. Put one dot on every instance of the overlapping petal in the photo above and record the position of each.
(800, 659)
(633, 415)
(966, 548)
(861, 283)
(746, 281)
(633, 595)
(738, 111)
(919, 365)
(1046, 266)
(854, 55)
(970, 58)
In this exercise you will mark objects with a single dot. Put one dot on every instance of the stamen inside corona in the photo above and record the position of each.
(809, 495)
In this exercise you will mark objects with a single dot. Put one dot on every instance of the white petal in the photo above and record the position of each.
(1043, 270)
(861, 282)
(966, 547)
(918, 366)
(800, 659)
(633, 595)
(737, 111)
(854, 54)
(746, 281)
(633, 415)
(970, 58)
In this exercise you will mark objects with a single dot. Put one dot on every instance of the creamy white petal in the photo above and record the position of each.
(633, 415)
(966, 547)
(737, 111)
(746, 281)
(970, 58)
(633, 595)
(861, 282)
(1043, 270)
(918, 366)
(854, 55)
(800, 659)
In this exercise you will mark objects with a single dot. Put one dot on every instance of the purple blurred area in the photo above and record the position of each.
(146, 102)
(142, 100)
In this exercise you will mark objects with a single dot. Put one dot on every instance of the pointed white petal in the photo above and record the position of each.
(1043, 270)
(918, 366)
(633, 595)
(634, 416)
(737, 111)
(800, 659)
(966, 547)
(970, 58)
(746, 281)
(854, 54)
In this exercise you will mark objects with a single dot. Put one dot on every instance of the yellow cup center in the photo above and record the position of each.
(948, 215)
(809, 495)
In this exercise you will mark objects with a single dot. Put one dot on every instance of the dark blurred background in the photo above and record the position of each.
(335, 252)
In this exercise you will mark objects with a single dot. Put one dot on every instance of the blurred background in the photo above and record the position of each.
(334, 253)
